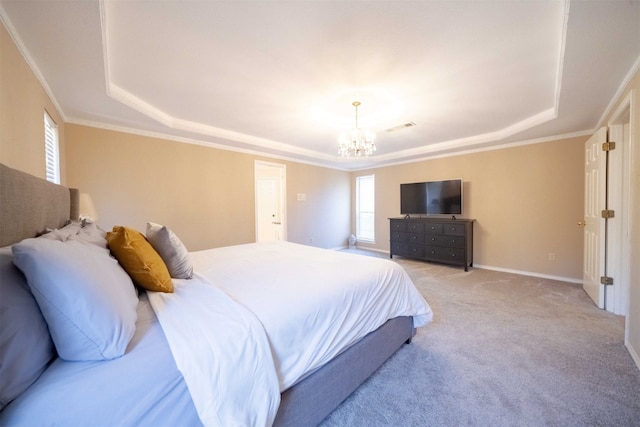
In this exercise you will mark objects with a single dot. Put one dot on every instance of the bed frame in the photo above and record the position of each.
(29, 205)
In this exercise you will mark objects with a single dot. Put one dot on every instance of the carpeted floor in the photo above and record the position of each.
(503, 350)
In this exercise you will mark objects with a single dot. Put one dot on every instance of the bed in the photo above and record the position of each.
(172, 359)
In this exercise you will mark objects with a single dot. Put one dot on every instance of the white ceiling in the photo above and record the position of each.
(279, 77)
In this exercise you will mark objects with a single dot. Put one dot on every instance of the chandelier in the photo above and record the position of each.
(357, 142)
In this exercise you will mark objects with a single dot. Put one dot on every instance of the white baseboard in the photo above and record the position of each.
(366, 248)
(531, 273)
(633, 353)
(505, 270)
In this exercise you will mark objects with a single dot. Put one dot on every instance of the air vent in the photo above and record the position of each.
(399, 127)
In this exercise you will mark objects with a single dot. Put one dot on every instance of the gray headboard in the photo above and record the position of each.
(29, 205)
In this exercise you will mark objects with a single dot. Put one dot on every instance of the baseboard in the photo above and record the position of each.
(633, 353)
(366, 248)
(531, 273)
(505, 270)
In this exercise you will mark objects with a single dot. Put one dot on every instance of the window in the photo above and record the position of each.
(52, 159)
(365, 208)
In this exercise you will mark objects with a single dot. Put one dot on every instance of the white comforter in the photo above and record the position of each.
(222, 352)
(311, 304)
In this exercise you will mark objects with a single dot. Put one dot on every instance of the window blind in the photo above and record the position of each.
(52, 160)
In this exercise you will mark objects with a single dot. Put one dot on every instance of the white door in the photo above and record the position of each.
(618, 236)
(270, 202)
(594, 193)
(268, 213)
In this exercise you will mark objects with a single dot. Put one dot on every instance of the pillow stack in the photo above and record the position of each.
(87, 298)
(151, 261)
(136, 255)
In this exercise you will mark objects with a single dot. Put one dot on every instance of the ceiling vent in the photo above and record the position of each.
(399, 127)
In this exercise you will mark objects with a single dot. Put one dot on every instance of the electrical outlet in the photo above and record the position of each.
(552, 256)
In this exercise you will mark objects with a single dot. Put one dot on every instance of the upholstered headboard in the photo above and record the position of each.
(29, 205)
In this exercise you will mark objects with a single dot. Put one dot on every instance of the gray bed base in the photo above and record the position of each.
(309, 401)
(29, 205)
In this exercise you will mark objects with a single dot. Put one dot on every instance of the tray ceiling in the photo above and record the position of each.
(279, 77)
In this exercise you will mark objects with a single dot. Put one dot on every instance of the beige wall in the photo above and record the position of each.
(205, 195)
(324, 218)
(22, 105)
(632, 329)
(526, 201)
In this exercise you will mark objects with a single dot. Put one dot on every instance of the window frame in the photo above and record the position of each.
(360, 180)
(51, 149)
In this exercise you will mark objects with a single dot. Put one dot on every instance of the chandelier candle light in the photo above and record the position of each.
(357, 142)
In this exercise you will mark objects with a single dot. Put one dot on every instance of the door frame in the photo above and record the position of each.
(258, 167)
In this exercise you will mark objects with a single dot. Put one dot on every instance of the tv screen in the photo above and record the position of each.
(413, 198)
(431, 198)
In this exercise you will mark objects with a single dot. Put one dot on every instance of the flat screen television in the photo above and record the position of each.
(431, 198)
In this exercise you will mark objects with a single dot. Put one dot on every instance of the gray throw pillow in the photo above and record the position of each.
(171, 250)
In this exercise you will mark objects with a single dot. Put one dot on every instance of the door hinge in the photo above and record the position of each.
(606, 280)
(608, 213)
(609, 146)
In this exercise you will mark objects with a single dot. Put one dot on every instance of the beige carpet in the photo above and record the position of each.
(503, 350)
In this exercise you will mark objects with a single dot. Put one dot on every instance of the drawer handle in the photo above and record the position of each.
(453, 229)
(433, 239)
(453, 241)
(433, 228)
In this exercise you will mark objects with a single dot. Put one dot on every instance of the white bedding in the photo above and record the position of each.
(222, 352)
(311, 304)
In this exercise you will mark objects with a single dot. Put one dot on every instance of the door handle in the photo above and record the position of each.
(582, 223)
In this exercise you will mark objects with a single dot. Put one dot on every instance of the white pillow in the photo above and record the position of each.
(171, 250)
(88, 300)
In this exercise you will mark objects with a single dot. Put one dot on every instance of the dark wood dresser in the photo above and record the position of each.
(448, 241)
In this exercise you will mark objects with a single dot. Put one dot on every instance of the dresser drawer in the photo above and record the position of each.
(400, 248)
(439, 253)
(444, 240)
(407, 249)
(416, 251)
(415, 238)
(454, 229)
(415, 227)
(399, 236)
(398, 226)
(433, 228)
